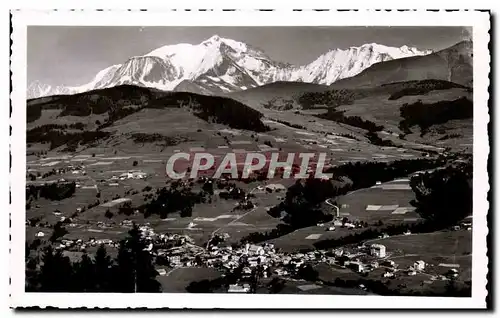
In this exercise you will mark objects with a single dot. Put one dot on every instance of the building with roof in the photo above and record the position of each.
(275, 187)
(419, 265)
(236, 288)
(377, 250)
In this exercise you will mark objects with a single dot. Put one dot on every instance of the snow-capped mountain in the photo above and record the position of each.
(218, 65)
(38, 89)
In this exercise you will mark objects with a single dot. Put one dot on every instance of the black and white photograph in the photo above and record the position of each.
(335, 157)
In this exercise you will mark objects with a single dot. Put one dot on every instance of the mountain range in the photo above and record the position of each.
(453, 64)
(220, 65)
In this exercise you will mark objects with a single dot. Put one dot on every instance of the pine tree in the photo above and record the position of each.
(102, 266)
(444, 196)
(84, 276)
(56, 272)
(32, 275)
(135, 268)
(123, 276)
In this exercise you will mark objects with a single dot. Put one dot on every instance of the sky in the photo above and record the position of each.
(72, 55)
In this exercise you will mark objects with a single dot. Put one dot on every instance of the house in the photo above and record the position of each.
(331, 228)
(161, 271)
(40, 234)
(338, 252)
(245, 288)
(388, 274)
(377, 250)
(126, 175)
(297, 263)
(466, 224)
(175, 260)
(255, 250)
(253, 262)
(453, 273)
(411, 273)
(280, 272)
(337, 223)
(389, 263)
(419, 265)
(275, 187)
(139, 175)
(357, 266)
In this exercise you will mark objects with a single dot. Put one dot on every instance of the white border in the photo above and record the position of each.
(21, 19)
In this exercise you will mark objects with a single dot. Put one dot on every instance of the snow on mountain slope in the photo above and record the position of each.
(338, 64)
(38, 89)
(147, 71)
(220, 65)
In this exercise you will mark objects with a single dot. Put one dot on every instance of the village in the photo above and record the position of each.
(177, 251)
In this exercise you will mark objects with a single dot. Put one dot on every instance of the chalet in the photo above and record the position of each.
(377, 250)
(419, 265)
(388, 274)
(255, 250)
(161, 271)
(357, 266)
(452, 273)
(275, 187)
(245, 288)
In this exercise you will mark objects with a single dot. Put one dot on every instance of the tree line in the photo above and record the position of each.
(426, 115)
(52, 191)
(132, 270)
(167, 140)
(355, 121)
(330, 99)
(422, 87)
(443, 199)
(302, 200)
(56, 136)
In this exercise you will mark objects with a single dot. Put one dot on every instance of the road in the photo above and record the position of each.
(327, 201)
(232, 222)
(337, 212)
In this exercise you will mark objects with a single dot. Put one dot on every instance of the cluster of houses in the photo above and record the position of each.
(366, 259)
(466, 225)
(177, 250)
(343, 223)
(130, 175)
(79, 245)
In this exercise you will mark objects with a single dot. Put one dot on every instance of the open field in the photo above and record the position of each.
(388, 202)
(442, 250)
(177, 279)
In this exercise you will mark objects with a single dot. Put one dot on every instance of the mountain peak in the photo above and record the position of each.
(228, 65)
(213, 38)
